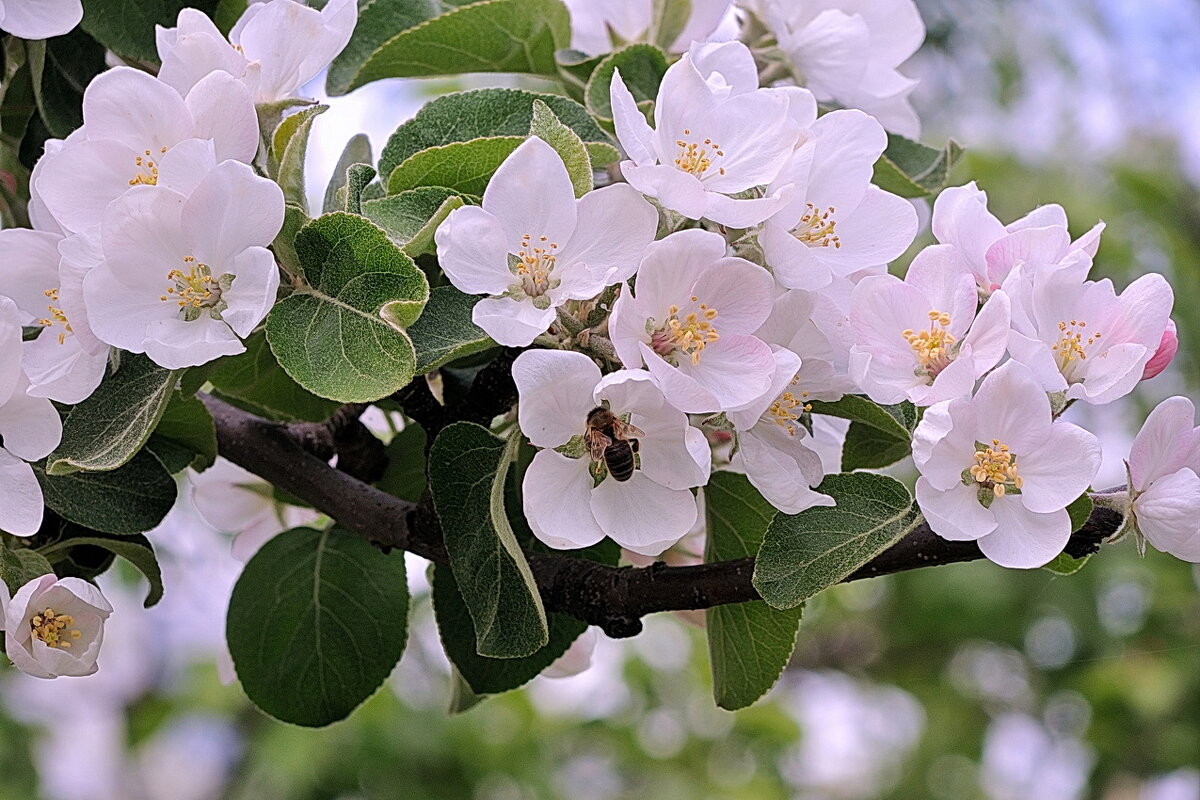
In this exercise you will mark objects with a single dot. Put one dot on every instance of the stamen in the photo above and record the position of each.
(147, 170)
(56, 317)
(783, 412)
(1071, 347)
(995, 468)
(696, 158)
(54, 628)
(688, 335)
(933, 348)
(535, 265)
(196, 288)
(818, 228)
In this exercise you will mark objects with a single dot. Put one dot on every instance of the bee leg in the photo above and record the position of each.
(634, 445)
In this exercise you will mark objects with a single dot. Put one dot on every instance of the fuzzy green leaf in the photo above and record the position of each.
(187, 424)
(255, 381)
(378, 21)
(566, 143)
(127, 26)
(642, 68)
(127, 500)
(411, 217)
(878, 435)
(289, 146)
(19, 567)
(445, 331)
(137, 550)
(357, 151)
(911, 169)
(463, 167)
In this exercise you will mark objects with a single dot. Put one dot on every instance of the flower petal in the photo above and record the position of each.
(557, 501)
(29, 426)
(512, 323)
(955, 514)
(253, 291)
(176, 343)
(223, 111)
(230, 210)
(473, 252)
(1168, 441)
(641, 515)
(1060, 470)
(1168, 514)
(614, 226)
(1024, 539)
(555, 388)
(531, 195)
(21, 511)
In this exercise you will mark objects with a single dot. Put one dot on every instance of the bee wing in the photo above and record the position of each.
(627, 431)
(597, 443)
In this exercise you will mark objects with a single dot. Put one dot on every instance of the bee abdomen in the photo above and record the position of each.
(618, 457)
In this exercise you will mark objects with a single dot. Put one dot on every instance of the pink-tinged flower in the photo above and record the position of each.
(692, 320)
(186, 276)
(834, 221)
(274, 48)
(992, 250)
(1082, 338)
(66, 361)
(574, 500)
(809, 325)
(770, 442)
(39, 19)
(131, 123)
(716, 135)
(594, 26)
(30, 429)
(1164, 479)
(997, 469)
(920, 339)
(849, 51)
(1168, 346)
(532, 246)
(53, 627)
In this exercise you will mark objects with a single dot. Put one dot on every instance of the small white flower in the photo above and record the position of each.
(809, 324)
(717, 138)
(575, 502)
(30, 429)
(39, 19)
(692, 320)
(53, 627)
(532, 246)
(275, 48)
(132, 122)
(834, 221)
(919, 339)
(593, 25)
(1164, 479)
(185, 275)
(996, 469)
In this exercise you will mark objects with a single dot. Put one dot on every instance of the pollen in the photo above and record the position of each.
(687, 333)
(534, 264)
(787, 408)
(192, 287)
(147, 169)
(54, 629)
(1073, 343)
(932, 347)
(55, 316)
(697, 156)
(995, 468)
(818, 228)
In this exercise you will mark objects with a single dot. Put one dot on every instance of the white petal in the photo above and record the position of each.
(1060, 469)
(740, 213)
(40, 19)
(29, 269)
(778, 475)
(988, 337)
(641, 515)
(177, 343)
(1012, 407)
(1024, 539)
(531, 195)
(794, 263)
(879, 230)
(76, 183)
(742, 293)
(671, 266)
(29, 426)
(473, 252)
(128, 106)
(193, 50)
(557, 501)
(186, 164)
(118, 313)
(634, 133)
(513, 323)
(681, 390)
(955, 513)
(1168, 514)
(555, 388)
(615, 225)
(223, 111)
(673, 188)
(63, 372)
(849, 143)
(230, 210)
(1167, 441)
(253, 291)
(21, 511)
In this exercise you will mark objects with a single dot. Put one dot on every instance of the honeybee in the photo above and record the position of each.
(612, 440)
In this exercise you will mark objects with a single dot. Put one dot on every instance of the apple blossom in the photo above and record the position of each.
(1083, 339)
(598, 28)
(132, 122)
(574, 501)
(532, 246)
(806, 323)
(834, 221)
(39, 19)
(53, 627)
(998, 469)
(274, 48)
(919, 339)
(1168, 346)
(185, 275)
(717, 136)
(691, 322)
(577, 659)
(30, 429)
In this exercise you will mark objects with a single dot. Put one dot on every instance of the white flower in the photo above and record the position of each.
(132, 122)
(834, 222)
(848, 51)
(807, 324)
(532, 246)
(53, 627)
(66, 361)
(576, 502)
(1082, 338)
(919, 339)
(997, 469)
(1164, 479)
(992, 250)
(716, 135)
(692, 323)
(30, 429)
(593, 24)
(275, 48)
(770, 442)
(577, 659)
(39, 19)
(185, 275)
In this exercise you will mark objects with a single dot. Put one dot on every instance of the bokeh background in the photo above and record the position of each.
(957, 683)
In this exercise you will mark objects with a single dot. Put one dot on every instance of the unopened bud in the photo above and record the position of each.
(1166, 351)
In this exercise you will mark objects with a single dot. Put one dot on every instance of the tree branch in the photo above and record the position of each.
(614, 598)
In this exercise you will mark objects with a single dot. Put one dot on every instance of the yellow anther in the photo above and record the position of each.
(1071, 345)
(55, 316)
(689, 335)
(995, 468)
(932, 347)
(535, 265)
(195, 288)
(51, 627)
(786, 410)
(818, 228)
(696, 158)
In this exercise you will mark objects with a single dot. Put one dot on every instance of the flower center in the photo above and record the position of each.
(147, 170)
(534, 266)
(688, 335)
(695, 157)
(932, 347)
(195, 290)
(1071, 346)
(818, 228)
(787, 408)
(995, 468)
(56, 317)
(54, 629)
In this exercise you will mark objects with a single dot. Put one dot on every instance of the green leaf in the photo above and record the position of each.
(227, 13)
(284, 245)
(459, 166)
(411, 217)
(19, 567)
(911, 169)
(445, 332)
(255, 380)
(127, 26)
(342, 336)
(289, 145)
(481, 113)
(1080, 511)
(670, 17)
(17, 93)
(404, 476)
(462, 696)
(62, 67)
(566, 143)
(878, 435)
(749, 644)
(357, 178)
(467, 470)
(357, 151)
(128, 500)
(378, 21)
(137, 550)
(642, 68)
(489, 36)
(187, 423)
(485, 675)
(317, 621)
(804, 553)
(867, 447)
(105, 430)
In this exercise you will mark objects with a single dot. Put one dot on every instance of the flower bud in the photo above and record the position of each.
(54, 627)
(1166, 351)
